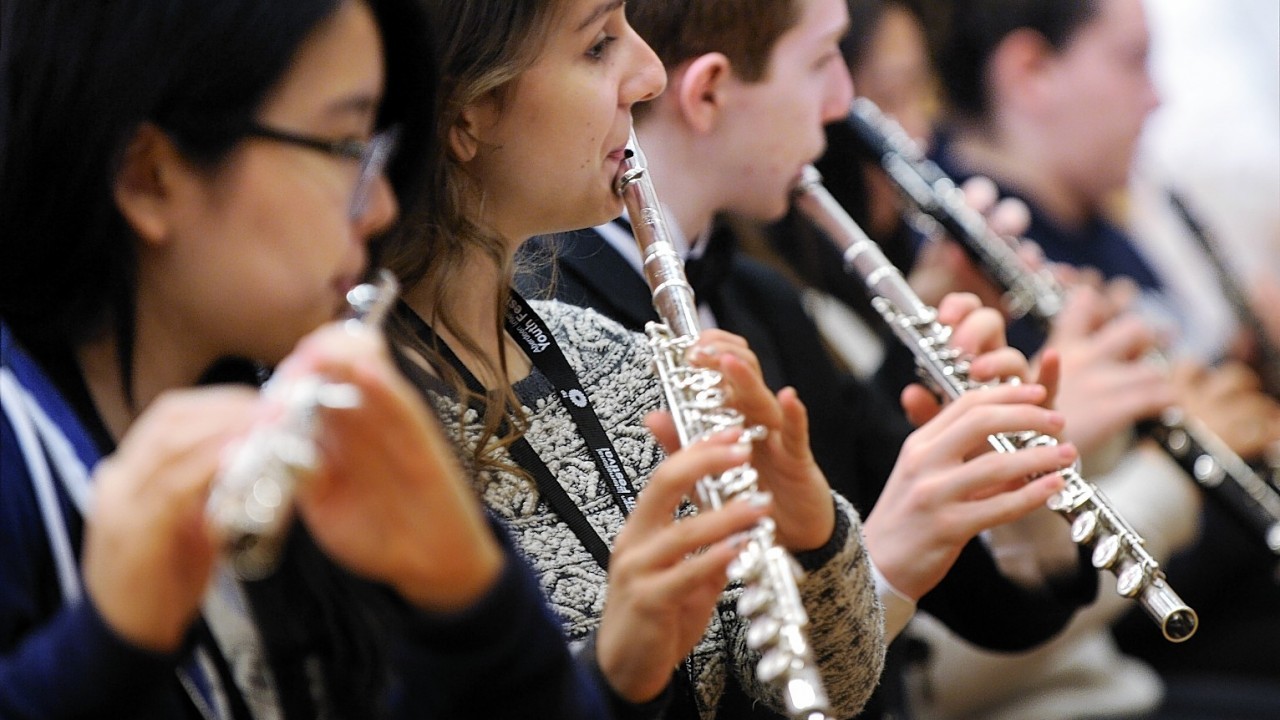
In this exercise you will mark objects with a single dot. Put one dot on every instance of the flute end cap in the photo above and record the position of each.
(1181, 625)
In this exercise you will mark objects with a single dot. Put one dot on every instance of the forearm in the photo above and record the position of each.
(505, 654)
(983, 606)
(846, 619)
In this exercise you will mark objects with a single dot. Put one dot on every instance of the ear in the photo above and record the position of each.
(464, 134)
(1020, 71)
(143, 185)
(700, 89)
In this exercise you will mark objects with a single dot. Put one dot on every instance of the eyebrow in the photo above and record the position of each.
(600, 11)
(359, 104)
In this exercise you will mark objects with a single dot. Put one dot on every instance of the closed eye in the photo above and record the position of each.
(827, 58)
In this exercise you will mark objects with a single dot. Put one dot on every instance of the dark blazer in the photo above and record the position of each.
(856, 431)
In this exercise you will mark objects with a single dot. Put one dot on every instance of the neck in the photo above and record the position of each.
(675, 162)
(471, 301)
(160, 362)
(1021, 160)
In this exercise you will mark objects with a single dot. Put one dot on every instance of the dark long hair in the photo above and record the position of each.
(77, 81)
(485, 45)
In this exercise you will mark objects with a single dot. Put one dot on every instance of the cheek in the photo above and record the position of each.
(558, 123)
(298, 239)
(811, 113)
(794, 127)
(253, 269)
(1138, 94)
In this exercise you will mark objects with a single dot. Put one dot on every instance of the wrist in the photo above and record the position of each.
(812, 559)
(812, 530)
(632, 682)
(149, 632)
(624, 708)
(151, 627)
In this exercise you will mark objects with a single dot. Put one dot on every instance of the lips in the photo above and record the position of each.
(341, 286)
(620, 148)
(344, 283)
(617, 154)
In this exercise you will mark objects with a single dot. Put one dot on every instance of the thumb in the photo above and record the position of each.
(663, 427)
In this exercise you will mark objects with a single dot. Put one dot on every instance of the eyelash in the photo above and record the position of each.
(597, 51)
(827, 59)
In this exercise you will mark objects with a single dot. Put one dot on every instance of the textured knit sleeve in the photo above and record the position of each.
(614, 367)
(846, 621)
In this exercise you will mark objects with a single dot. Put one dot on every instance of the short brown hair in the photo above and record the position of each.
(745, 31)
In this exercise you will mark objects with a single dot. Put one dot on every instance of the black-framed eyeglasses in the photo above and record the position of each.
(372, 154)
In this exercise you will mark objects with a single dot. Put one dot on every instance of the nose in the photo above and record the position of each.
(647, 77)
(1150, 93)
(380, 211)
(839, 92)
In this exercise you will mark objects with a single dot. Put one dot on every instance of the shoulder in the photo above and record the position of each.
(36, 412)
(577, 326)
(762, 278)
(613, 364)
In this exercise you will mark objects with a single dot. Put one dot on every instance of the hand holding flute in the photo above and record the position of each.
(696, 396)
(390, 502)
(1094, 523)
(1037, 294)
(352, 445)
(385, 499)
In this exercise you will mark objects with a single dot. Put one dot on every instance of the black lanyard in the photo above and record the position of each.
(533, 336)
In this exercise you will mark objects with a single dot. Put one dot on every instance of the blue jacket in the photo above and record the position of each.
(503, 657)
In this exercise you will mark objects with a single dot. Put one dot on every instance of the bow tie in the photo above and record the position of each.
(707, 272)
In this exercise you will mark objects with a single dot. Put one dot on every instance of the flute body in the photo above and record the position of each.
(770, 600)
(937, 199)
(1095, 524)
(1215, 467)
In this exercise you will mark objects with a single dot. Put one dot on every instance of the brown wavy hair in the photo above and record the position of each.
(484, 46)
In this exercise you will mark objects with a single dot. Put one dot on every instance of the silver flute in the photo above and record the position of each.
(1095, 524)
(251, 502)
(937, 201)
(1224, 476)
(770, 600)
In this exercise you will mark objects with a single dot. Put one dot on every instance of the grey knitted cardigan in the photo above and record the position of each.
(613, 365)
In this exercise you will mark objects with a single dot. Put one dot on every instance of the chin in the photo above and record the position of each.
(607, 210)
(273, 354)
(772, 215)
(767, 210)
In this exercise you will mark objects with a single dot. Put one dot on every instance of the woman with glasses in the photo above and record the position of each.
(549, 401)
(187, 189)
